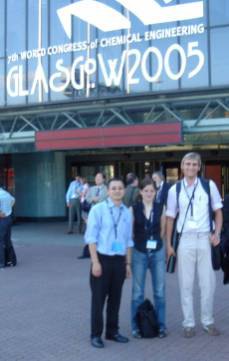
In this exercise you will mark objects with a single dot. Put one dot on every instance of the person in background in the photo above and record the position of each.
(6, 204)
(194, 249)
(132, 190)
(95, 195)
(109, 236)
(162, 187)
(148, 253)
(98, 192)
(83, 194)
(73, 204)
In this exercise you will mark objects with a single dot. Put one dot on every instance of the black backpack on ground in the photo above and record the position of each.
(147, 320)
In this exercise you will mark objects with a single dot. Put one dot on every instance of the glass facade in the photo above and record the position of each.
(60, 54)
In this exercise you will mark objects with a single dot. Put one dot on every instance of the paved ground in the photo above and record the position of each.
(45, 303)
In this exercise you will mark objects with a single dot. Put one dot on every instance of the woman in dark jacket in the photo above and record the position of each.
(148, 252)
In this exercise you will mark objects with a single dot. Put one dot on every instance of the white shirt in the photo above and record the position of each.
(6, 202)
(199, 220)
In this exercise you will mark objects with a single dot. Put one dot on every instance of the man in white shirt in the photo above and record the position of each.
(195, 243)
(6, 203)
(73, 204)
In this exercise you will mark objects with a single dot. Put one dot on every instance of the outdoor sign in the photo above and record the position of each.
(132, 62)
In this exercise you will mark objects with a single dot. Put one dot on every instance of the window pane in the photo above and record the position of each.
(219, 12)
(164, 81)
(38, 91)
(16, 11)
(219, 56)
(58, 37)
(198, 20)
(2, 27)
(2, 83)
(16, 79)
(33, 44)
(136, 69)
(198, 46)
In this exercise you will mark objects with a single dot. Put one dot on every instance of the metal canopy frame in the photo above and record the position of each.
(197, 113)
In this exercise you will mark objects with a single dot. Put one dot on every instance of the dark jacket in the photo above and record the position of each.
(145, 229)
(162, 194)
(131, 195)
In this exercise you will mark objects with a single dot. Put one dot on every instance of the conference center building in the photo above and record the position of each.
(114, 86)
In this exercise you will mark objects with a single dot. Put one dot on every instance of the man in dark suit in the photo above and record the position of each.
(162, 187)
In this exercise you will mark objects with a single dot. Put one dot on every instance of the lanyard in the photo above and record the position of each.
(149, 221)
(115, 222)
(192, 196)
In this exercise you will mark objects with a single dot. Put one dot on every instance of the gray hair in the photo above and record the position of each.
(193, 156)
(159, 174)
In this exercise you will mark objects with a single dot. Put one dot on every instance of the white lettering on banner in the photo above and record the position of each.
(111, 70)
(106, 18)
(132, 62)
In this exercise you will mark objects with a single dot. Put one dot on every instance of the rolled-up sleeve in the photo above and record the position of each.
(171, 209)
(93, 226)
(130, 242)
(216, 199)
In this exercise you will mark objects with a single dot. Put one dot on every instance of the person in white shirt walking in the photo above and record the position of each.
(194, 248)
(6, 204)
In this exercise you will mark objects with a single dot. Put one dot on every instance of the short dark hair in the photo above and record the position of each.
(130, 178)
(115, 179)
(101, 174)
(146, 182)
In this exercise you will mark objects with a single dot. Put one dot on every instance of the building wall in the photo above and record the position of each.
(40, 185)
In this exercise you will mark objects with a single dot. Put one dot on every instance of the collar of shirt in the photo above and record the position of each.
(111, 204)
(187, 185)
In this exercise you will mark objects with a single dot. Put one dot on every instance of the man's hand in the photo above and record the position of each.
(170, 252)
(96, 269)
(215, 239)
(2, 215)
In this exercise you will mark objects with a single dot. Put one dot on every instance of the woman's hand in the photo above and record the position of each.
(128, 271)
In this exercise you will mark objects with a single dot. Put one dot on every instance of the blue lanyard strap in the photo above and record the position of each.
(115, 222)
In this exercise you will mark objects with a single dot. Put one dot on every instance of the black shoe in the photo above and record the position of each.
(70, 232)
(117, 338)
(97, 342)
(162, 334)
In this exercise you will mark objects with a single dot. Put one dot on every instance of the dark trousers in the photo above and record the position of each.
(5, 232)
(108, 285)
(74, 211)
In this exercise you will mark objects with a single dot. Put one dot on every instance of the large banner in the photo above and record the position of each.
(133, 63)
